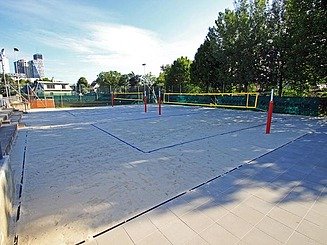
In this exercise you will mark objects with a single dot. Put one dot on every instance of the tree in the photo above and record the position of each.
(162, 78)
(82, 85)
(307, 59)
(10, 83)
(134, 80)
(277, 46)
(123, 82)
(108, 81)
(179, 77)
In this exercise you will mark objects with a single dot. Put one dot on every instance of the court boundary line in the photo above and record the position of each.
(117, 138)
(177, 144)
(21, 183)
(204, 138)
(194, 188)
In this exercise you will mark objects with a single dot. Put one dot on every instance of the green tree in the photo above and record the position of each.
(277, 47)
(109, 81)
(307, 58)
(162, 78)
(11, 84)
(123, 83)
(134, 80)
(82, 85)
(178, 78)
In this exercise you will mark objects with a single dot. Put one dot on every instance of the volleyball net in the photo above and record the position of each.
(128, 98)
(224, 100)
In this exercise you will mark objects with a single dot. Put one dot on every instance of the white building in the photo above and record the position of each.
(50, 88)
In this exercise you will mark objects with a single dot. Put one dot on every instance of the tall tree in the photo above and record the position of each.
(82, 85)
(178, 77)
(109, 81)
(307, 60)
(205, 59)
(277, 46)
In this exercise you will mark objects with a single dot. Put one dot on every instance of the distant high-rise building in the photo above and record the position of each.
(38, 66)
(33, 68)
(37, 57)
(21, 66)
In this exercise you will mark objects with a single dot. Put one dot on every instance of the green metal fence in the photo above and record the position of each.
(308, 106)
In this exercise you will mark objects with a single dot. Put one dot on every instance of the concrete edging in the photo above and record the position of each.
(6, 199)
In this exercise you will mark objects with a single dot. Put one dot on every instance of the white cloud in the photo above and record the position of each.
(94, 42)
(122, 47)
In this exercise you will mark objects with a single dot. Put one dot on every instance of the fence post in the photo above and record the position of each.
(270, 111)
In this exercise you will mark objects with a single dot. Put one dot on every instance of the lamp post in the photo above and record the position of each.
(16, 71)
(144, 75)
(145, 106)
(3, 71)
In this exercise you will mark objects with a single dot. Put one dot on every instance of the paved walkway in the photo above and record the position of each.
(280, 198)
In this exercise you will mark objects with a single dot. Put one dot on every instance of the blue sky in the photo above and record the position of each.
(83, 38)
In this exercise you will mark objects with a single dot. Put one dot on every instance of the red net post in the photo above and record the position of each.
(159, 101)
(270, 111)
(145, 105)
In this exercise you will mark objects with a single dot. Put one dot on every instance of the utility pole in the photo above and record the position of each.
(144, 75)
(3, 72)
(16, 71)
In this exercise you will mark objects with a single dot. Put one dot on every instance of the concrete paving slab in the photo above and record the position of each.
(235, 225)
(285, 217)
(216, 234)
(247, 213)
(275, 229)
(140, 228)
(154, 238)
(117, 236)
(298, 238)
(197, 240)
(319, 219)
(312, 231)
(161, 217)
(294, 208)
(256, 236)
(196, 221)
(213, 210)
(178, 232)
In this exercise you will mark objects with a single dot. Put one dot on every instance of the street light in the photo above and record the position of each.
(2, 55)
(144, 76)
(16, 71)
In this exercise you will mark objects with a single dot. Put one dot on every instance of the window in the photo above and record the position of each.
(63, 86)
(50, 86)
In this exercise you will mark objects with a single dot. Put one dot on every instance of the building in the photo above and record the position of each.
(32, 69)
(37, 66)
(51, 88)
(21, 67)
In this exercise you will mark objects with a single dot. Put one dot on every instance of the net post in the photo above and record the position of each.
(270, 111)
(145, 105)
(112, 99)
(159, 101)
